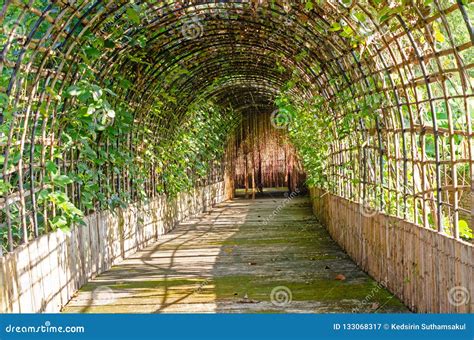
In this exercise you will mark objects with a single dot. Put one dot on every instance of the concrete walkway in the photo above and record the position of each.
(227, 260)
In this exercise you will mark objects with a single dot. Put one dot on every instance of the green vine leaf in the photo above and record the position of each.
(62, 180)
(133, 15)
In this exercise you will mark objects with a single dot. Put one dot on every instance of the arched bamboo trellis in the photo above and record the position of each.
(412, 60)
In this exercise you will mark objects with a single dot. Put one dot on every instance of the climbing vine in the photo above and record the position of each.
(107, 103)
(98, 163)
(318, 137)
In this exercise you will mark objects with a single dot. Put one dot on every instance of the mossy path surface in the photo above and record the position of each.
(245, 256)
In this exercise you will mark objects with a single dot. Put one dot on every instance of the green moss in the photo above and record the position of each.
(251, 263)
(259, 288)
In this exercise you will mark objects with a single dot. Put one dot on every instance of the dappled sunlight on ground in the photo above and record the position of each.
(255, 256)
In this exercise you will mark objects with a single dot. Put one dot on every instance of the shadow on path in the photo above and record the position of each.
(253, 256)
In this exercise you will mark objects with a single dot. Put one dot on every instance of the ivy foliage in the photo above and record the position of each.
(319, 128)
(95, 151)
(306, 124)
(99, 163)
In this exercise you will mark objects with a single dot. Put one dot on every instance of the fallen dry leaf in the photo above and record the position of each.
(375, 305)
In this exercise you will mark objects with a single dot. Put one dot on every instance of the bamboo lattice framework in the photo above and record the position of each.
(412, 60)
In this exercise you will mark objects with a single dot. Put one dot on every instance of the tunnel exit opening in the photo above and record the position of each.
(265, 158)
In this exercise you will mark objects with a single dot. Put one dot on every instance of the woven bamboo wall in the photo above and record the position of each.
(423, 268)
(43, 275)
